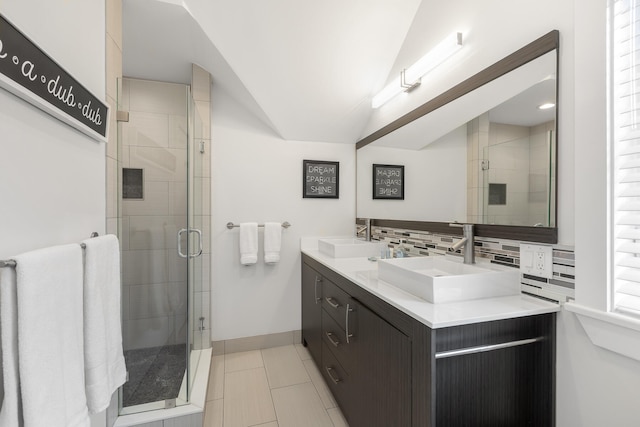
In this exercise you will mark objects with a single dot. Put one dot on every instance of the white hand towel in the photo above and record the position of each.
(104, 365)
(272, 242)
(248, 243)
(50, 337)
(11, 406)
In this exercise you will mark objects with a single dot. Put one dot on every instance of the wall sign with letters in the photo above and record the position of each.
(28, 72)
(320, 179)
(388, 182)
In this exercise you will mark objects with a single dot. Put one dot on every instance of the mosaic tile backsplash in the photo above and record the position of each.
(504, 252)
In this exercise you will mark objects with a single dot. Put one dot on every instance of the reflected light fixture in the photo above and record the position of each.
(546, 106)
(409, 78)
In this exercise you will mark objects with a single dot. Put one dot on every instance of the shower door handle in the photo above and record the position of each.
(190, 255)
(199, 233)
(180, 243)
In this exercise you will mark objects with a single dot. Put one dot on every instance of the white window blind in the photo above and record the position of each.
(625, 118)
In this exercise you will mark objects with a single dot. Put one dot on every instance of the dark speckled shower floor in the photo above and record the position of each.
(154, 374)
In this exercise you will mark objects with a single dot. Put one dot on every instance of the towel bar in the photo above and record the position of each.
(13, 263)
(231, 225)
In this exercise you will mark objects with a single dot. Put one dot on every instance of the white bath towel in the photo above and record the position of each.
(104, 366)
(11, 405)
(50, 337)
(248, 243)
(272, 242)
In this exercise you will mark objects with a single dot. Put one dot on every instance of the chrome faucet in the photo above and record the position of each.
(365, 228)
(466, 241)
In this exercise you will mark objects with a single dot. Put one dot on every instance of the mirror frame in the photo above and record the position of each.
(533, 50)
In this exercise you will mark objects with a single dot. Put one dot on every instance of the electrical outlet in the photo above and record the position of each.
(536, 260)
(540, 260)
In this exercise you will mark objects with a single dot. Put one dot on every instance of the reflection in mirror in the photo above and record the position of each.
(487, 157)
(515, 181)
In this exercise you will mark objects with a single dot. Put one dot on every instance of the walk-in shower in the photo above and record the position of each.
(164, 209)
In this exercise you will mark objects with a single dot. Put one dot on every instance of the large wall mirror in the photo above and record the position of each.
(484, 152)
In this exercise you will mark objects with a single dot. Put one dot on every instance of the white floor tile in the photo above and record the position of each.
(300, 406)
(216, 379)
(321, 386)
(213, 413)
(284, 367)
(247, 400)
(303, 352)
(337, 418)
(275, 387)
(243, 360)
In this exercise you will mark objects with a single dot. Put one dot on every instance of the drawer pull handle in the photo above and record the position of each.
(331, 303)
(315, 288)
(483, 348)
(335, 343)
(335, 380)
(346, 321)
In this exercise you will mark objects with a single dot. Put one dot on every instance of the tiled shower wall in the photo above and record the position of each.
(504, 252)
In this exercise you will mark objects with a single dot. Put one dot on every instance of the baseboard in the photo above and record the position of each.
(258, 342)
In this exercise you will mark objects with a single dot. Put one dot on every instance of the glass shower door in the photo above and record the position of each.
(160, 243)
(199, 218)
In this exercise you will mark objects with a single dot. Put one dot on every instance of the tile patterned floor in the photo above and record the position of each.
(275, 387)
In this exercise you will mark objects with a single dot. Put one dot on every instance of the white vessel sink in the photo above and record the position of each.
(348, 248)
(439, 279)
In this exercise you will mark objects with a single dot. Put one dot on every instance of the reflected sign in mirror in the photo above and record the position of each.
(388, 182)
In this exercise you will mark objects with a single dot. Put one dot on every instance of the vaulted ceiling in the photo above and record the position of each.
(308, 69)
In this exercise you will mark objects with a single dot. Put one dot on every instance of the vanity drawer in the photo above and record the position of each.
(334, 302)
(338, 381)
(335, 338)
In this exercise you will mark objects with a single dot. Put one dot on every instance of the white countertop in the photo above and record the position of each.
(365, 274)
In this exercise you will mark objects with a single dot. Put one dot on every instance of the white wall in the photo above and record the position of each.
(53, 177)
(53, 185)
(257, 176)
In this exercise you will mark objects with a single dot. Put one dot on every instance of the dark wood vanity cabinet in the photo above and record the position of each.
(498, 373)
(370, 372)
(311, 311)
(365, 361)
(396, 371)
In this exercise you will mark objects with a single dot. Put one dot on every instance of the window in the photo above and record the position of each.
(618, 328)
(625, 132)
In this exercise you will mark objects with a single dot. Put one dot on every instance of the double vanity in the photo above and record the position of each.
(426, 341)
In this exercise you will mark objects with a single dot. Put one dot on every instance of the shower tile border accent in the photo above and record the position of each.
(498, 251)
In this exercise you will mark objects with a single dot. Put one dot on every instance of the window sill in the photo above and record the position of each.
(611, 331)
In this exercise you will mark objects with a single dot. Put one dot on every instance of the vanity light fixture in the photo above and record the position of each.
(409, 78)
(546, 106)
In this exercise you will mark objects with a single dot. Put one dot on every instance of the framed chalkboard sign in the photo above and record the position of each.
(320, 179)
(28, 72)
(388, 182)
